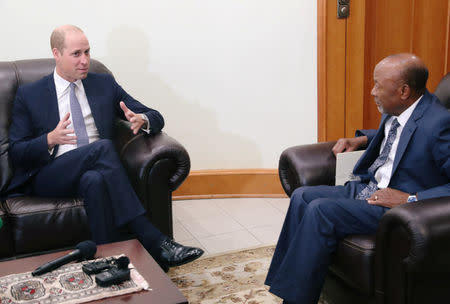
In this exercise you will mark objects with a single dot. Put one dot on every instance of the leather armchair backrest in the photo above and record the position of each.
(443, 91)
(12, 75)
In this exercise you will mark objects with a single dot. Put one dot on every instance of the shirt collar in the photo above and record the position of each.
(403, 118)
(61, 84)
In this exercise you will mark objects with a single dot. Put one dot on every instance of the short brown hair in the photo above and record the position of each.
(58, 36)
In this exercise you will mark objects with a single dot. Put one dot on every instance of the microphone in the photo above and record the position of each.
(84, 251)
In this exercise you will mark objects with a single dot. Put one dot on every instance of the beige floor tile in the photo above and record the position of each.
(195, 209)
(221, 225)
(180, 233)
(212, 225)
(233, 203)
(229, 241)
(250, 213)
(267, 235)
(281, 204)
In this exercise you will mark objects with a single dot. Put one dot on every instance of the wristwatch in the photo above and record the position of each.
(411, 198)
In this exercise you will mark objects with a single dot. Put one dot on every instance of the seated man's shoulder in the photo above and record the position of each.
(100, 77)
(436, 121)
(438, 111)
(36, 86)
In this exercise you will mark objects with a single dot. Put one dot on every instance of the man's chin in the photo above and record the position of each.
(83, 75)
(380, 109)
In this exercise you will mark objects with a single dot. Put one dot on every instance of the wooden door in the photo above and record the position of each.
(348, 50)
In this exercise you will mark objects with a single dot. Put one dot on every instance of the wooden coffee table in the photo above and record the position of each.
(162, 288)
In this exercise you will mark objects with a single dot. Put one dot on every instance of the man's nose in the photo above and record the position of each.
(84, 59)
(372, 92)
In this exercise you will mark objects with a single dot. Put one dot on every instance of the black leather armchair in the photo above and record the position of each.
(406, 261)
(156, 166)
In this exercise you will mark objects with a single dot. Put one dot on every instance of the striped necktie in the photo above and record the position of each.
(372, 186)
(77, 118)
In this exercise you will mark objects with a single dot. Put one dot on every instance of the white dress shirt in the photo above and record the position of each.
(384, 172)
(63, 95)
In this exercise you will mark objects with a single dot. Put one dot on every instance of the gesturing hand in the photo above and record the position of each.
(136, 119)
(61, 134)
(349, 144)
(388, 197)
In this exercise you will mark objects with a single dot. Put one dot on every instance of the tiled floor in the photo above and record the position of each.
(220, 225)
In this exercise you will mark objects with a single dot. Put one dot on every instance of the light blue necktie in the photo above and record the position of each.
(372, 186)
(77, 118)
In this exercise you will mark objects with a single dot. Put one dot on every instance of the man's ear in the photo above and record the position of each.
(405, 91)
(56, 53)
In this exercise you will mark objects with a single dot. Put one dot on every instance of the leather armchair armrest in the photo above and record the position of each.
(423, 228)
(140, 152)
(307, 165)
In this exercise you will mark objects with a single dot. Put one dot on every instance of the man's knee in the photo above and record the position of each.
(103, 148)
(324, 208)
(91, 179)
(298, 203)
(104, 145)
(300, 195)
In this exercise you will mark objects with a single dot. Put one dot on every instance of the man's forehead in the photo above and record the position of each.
(387, 70)
(73, 35)
(77, 41)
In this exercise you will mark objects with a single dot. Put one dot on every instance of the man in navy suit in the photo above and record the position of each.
(407, 159)
(60, 146)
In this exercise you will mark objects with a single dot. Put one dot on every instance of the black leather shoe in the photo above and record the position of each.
(174, 254)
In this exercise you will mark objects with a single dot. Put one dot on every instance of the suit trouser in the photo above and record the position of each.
(95, 173)
(316, 219)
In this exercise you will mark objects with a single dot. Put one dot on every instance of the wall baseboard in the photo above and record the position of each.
(204, 184)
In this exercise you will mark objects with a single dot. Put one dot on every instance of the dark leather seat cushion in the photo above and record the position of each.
(55, 222)
(353, 262)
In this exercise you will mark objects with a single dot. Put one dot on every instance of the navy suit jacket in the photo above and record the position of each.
(35, 113)
(422, 160)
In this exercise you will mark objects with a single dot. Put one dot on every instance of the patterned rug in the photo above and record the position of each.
(236, 277)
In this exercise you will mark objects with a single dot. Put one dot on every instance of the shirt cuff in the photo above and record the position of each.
(147, 129)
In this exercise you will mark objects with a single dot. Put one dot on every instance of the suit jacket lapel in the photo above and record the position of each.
(409, 129)
(405, 137)
(376, 142)
(52, 100)
(52, 106)
(92, 95)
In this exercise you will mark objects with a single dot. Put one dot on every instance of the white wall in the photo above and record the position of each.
(234, 79)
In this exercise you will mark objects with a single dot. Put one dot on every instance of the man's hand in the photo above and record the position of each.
(349, 144)
(388, 197)
(61, 135)
(136, 120)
